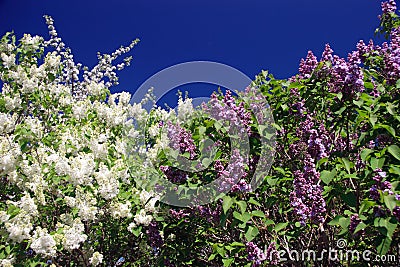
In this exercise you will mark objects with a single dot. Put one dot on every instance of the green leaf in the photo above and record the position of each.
(360, 226)
(377, 163)
(258, 213)
(390, 201)
(384, 245)
(346, 164)
(227, 262)
(251, 233)
(254, 202)
(227, 203)
(280, 226)
(242, 205)
(395, 151)
(391, 108)
(373, 118)
(327, 176)
(365, 152)
(365, 205)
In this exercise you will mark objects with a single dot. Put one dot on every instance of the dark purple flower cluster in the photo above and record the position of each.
(380, 211)
(396, 213)
(272, 254)
(354, 222)
(241, 186)
(181, 139)
(384, 186)
(176, 176)
(212, 215)
(155, 239)
(255, 254)
(306, 199)
(178, 215)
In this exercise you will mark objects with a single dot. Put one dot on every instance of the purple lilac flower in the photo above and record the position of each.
(384, 186)
(232, 174)
(396, 213)
(155, 239)
(272, 254)
(178, 215)
(176, 176)
(379, 211)
(181, 139)
(241, 186)
(306, 199)
(255, 254)
(354, 222)
(308, 65)
(388, 7)
(226, 110)
(207, 213)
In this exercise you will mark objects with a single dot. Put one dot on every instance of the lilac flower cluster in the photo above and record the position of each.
(181, 139)
(176, 176)
(104, 72)
(233, 173)
(390, 67)
(178, 215)
(307, 65)
(388, 7)
(346, 76)
(255, 254)
(211, 215)
(306, 199)
(354, 222)
(396, 213)
(384, 186)
(272, 254)
(227, 110)
(155, 239)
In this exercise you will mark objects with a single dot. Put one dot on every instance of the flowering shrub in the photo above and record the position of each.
(80, 167)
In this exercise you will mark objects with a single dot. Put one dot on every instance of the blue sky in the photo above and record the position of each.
(248, 35)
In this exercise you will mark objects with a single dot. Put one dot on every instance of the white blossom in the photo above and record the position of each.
(143, 218)
(8, 60)
(43, 242)
(96, 259)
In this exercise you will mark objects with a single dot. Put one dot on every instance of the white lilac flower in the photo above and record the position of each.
(4, 216)
(185, 109)
(12, 103)
(143, 218)
(8, 60)
(28, 204)
(7, 262)
(43, 242)
(120, 210)
(74, 235)
(131, 227)
(6, 123)
(96, 259)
